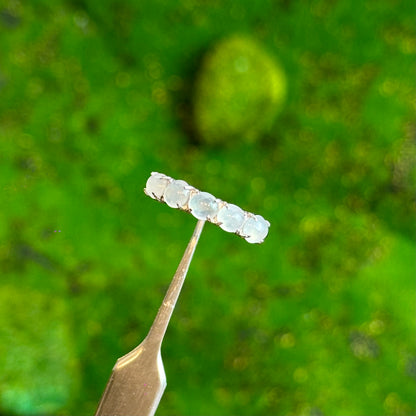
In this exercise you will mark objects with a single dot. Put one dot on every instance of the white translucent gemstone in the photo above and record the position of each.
(176, 195)
(156, 185)
(230, 217)
(203, 206)
(255, 229)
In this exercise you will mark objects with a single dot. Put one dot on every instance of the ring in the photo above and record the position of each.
(204, 206)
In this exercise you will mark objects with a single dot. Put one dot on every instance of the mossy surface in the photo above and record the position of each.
(320, 318)
(37, 356)
(239, 90)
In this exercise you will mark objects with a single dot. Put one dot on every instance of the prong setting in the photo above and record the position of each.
(204, 206)
(176, 194)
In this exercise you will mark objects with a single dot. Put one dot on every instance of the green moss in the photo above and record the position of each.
(91, 99)
(238, 93)
(36, 356)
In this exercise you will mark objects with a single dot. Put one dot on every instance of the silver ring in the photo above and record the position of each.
(204, 206)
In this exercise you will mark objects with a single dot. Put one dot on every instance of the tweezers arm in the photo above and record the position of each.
(138, 379)
(160, 324)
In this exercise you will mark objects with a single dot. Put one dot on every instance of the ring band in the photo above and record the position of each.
(204, 206)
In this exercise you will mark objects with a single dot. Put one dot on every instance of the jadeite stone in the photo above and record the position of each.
(203, 206)
(176, 195)
(255, 229)
(230, 217)
(156, 185)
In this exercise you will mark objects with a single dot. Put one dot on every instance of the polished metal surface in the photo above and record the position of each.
(138, 380)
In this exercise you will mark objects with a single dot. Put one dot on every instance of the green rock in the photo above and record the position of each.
(37, 360)
(238, 93)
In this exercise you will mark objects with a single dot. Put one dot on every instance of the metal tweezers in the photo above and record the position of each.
(138, 379)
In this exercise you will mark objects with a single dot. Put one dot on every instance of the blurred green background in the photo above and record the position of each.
(300, 111)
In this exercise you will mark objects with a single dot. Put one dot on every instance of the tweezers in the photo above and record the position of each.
(138, 379)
